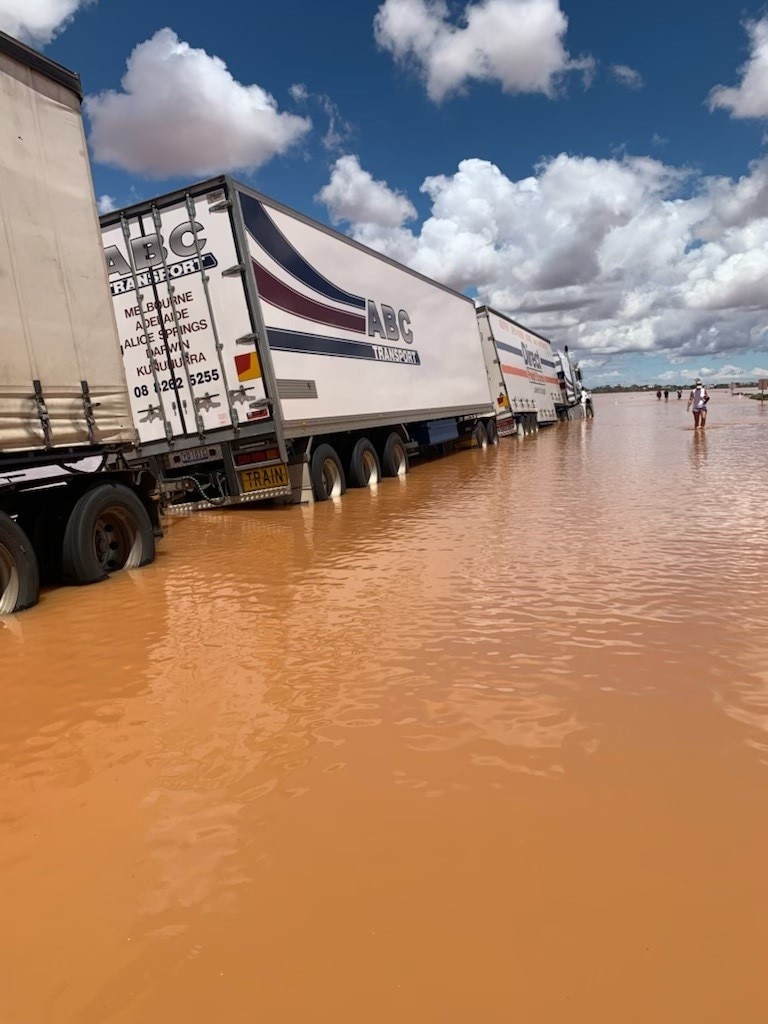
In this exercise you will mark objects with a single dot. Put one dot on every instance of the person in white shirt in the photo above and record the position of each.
(698, 398)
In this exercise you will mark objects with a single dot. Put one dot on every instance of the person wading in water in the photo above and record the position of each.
(698, 398)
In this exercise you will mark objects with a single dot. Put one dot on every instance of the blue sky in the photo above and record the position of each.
(565, 161)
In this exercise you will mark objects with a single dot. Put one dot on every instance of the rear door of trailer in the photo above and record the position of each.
(187, 331)
(356, 339)
(499, 392)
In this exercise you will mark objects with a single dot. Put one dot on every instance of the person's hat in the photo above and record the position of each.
(698, 380)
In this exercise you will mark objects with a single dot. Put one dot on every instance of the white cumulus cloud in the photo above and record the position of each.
(750, 97)
(106, 204)
(518, 43)
(353, 196)
(180, 112)
(607, 256)
(627, 76)
(37, 21)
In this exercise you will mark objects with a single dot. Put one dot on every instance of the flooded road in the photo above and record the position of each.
(489, 744)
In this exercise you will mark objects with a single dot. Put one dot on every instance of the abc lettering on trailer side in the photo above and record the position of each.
(355, 338)
(189, 352)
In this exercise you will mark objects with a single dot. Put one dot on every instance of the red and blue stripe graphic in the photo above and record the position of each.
(516, 371)
(279, 294)
(306, 294)
(317, 345)
(264, 231)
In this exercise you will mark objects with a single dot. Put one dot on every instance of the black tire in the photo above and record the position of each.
(394, 457)
(107, 530)
(327, 472)
(479, 436)
(19, 576)
(364, 465)
(493, 432)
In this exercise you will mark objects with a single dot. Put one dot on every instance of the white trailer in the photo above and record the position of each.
(69, 505)
(269, 356)
(527, 365)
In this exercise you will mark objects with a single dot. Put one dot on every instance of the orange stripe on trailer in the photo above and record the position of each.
(247, 366)
(539, 378)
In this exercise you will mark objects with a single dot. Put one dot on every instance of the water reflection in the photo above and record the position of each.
(502, 698)
(698, 448)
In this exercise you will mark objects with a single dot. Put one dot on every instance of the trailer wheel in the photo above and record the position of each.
(327, 473)
(479, 436)
(394, 457)
(108, 529)
(364, 465)
(19, 577)
(492, 431)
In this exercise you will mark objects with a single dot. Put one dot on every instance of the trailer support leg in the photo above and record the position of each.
(301, 484)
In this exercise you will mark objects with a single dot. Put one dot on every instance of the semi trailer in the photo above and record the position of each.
(271, 357)
(527, 368)
(71, 507)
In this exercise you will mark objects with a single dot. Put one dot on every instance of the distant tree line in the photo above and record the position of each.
(611, 389)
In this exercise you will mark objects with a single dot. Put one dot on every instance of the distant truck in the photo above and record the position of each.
(577, 400)
(70, 506)
(268, 356)
(529, 392)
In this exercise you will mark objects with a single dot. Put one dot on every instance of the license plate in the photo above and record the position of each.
(264, 478)
(195, 455)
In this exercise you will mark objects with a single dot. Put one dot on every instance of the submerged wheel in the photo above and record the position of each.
(479, 436)
(364, 465)
(493, 432)
(327, 473)
(108, 529)
(19, 577)
(394, 457)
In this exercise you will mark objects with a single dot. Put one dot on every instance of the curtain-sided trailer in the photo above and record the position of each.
(70, 507)
(269, 356)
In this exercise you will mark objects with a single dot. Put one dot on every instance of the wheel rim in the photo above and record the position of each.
(9, 581)
(370, 469)
(331, 478)
(398, 458)
(116, 540)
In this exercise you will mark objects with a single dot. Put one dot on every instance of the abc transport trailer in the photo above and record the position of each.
(268, 356)
(70, 507)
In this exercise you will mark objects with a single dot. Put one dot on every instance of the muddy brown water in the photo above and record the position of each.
(488, 744)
